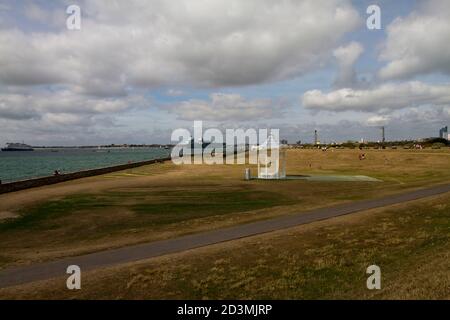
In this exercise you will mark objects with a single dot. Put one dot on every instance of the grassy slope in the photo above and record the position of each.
(157, 202)
(325, 260)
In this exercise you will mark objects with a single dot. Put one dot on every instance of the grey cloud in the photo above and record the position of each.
(346, 57)
(223, 107)
(38, 104)
(217, 43)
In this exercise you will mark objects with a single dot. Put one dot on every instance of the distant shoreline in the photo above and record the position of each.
(105, 146)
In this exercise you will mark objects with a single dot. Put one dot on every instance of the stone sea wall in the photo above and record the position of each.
(44, 181)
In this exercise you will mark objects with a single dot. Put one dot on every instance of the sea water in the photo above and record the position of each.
(20, 165)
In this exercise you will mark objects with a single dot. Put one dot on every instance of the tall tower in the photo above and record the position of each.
(443, 132)
(383, 138)
(316, 139)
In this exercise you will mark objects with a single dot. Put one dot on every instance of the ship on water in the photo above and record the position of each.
(17, 147)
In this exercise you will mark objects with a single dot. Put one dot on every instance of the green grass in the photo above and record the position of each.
(165, 201)
(326, 263)
(92, 222)
(157, 208)
(41, 216)
(410, 243)
(182, 206)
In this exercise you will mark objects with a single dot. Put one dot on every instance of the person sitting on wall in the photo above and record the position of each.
(56, 173)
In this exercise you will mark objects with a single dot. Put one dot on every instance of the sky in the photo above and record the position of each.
(137, 70)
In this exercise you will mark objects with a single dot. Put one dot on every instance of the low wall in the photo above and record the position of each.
(44, 181)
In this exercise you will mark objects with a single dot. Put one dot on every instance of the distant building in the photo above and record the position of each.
(443, 133)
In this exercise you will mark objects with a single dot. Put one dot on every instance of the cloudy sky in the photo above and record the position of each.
(139, 69)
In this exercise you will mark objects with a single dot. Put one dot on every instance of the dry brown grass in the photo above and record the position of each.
(95, 228)
(322, 260)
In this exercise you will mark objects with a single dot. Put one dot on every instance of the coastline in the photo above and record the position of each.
(49, 180)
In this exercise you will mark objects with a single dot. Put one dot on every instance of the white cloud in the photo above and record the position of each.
(52, 77)
(378, 120)
(385, 98)
(202, 43)
(419, 43)
(227, 107)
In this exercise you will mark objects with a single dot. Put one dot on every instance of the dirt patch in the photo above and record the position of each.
(7, 215)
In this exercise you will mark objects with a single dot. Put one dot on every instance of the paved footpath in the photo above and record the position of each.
(57, 268)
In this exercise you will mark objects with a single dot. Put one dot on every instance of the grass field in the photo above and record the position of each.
(325, 260)
(163, 201)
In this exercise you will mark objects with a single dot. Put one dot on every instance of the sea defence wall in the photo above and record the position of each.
(44, 181)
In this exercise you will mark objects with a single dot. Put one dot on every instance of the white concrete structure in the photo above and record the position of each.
(271, 160)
